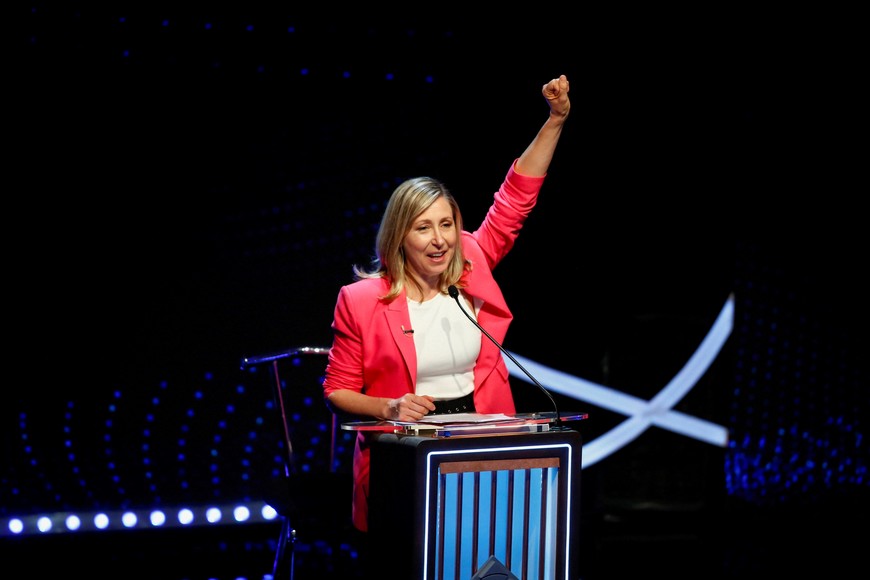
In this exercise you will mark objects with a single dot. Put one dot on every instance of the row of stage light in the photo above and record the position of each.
(65, 522)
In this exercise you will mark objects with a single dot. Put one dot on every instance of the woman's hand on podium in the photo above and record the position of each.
(409, 407)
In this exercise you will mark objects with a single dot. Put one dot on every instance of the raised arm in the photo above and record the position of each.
(535, 160)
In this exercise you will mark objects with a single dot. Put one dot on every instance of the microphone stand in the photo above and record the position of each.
(454, 293)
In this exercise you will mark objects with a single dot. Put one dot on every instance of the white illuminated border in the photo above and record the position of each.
(642, 414)
(568, 476)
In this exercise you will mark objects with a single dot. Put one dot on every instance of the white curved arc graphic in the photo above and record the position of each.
(642, 414)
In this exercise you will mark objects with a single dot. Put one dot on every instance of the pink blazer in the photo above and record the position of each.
(371, 354)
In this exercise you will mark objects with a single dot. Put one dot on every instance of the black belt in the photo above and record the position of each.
(461, 405)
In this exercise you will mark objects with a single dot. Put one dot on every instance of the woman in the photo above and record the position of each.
(402, 349)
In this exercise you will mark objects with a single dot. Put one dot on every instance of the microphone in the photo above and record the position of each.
(454, 293)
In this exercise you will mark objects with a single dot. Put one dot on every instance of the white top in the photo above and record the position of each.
(447, 345)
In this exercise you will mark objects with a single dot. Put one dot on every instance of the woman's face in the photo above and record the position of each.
(429, 245)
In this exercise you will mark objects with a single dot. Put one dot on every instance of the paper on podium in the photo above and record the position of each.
(456, 418)
(449, 424)
(455, 424)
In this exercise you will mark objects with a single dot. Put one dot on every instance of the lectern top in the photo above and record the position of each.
(446, 425)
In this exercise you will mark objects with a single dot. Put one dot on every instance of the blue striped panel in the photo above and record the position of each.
(496, 523)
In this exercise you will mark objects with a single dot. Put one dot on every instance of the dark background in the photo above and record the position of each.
(191, 186)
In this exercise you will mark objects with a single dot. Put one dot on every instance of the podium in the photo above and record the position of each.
(473, 501)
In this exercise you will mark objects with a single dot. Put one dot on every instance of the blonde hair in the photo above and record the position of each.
(411, 198)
